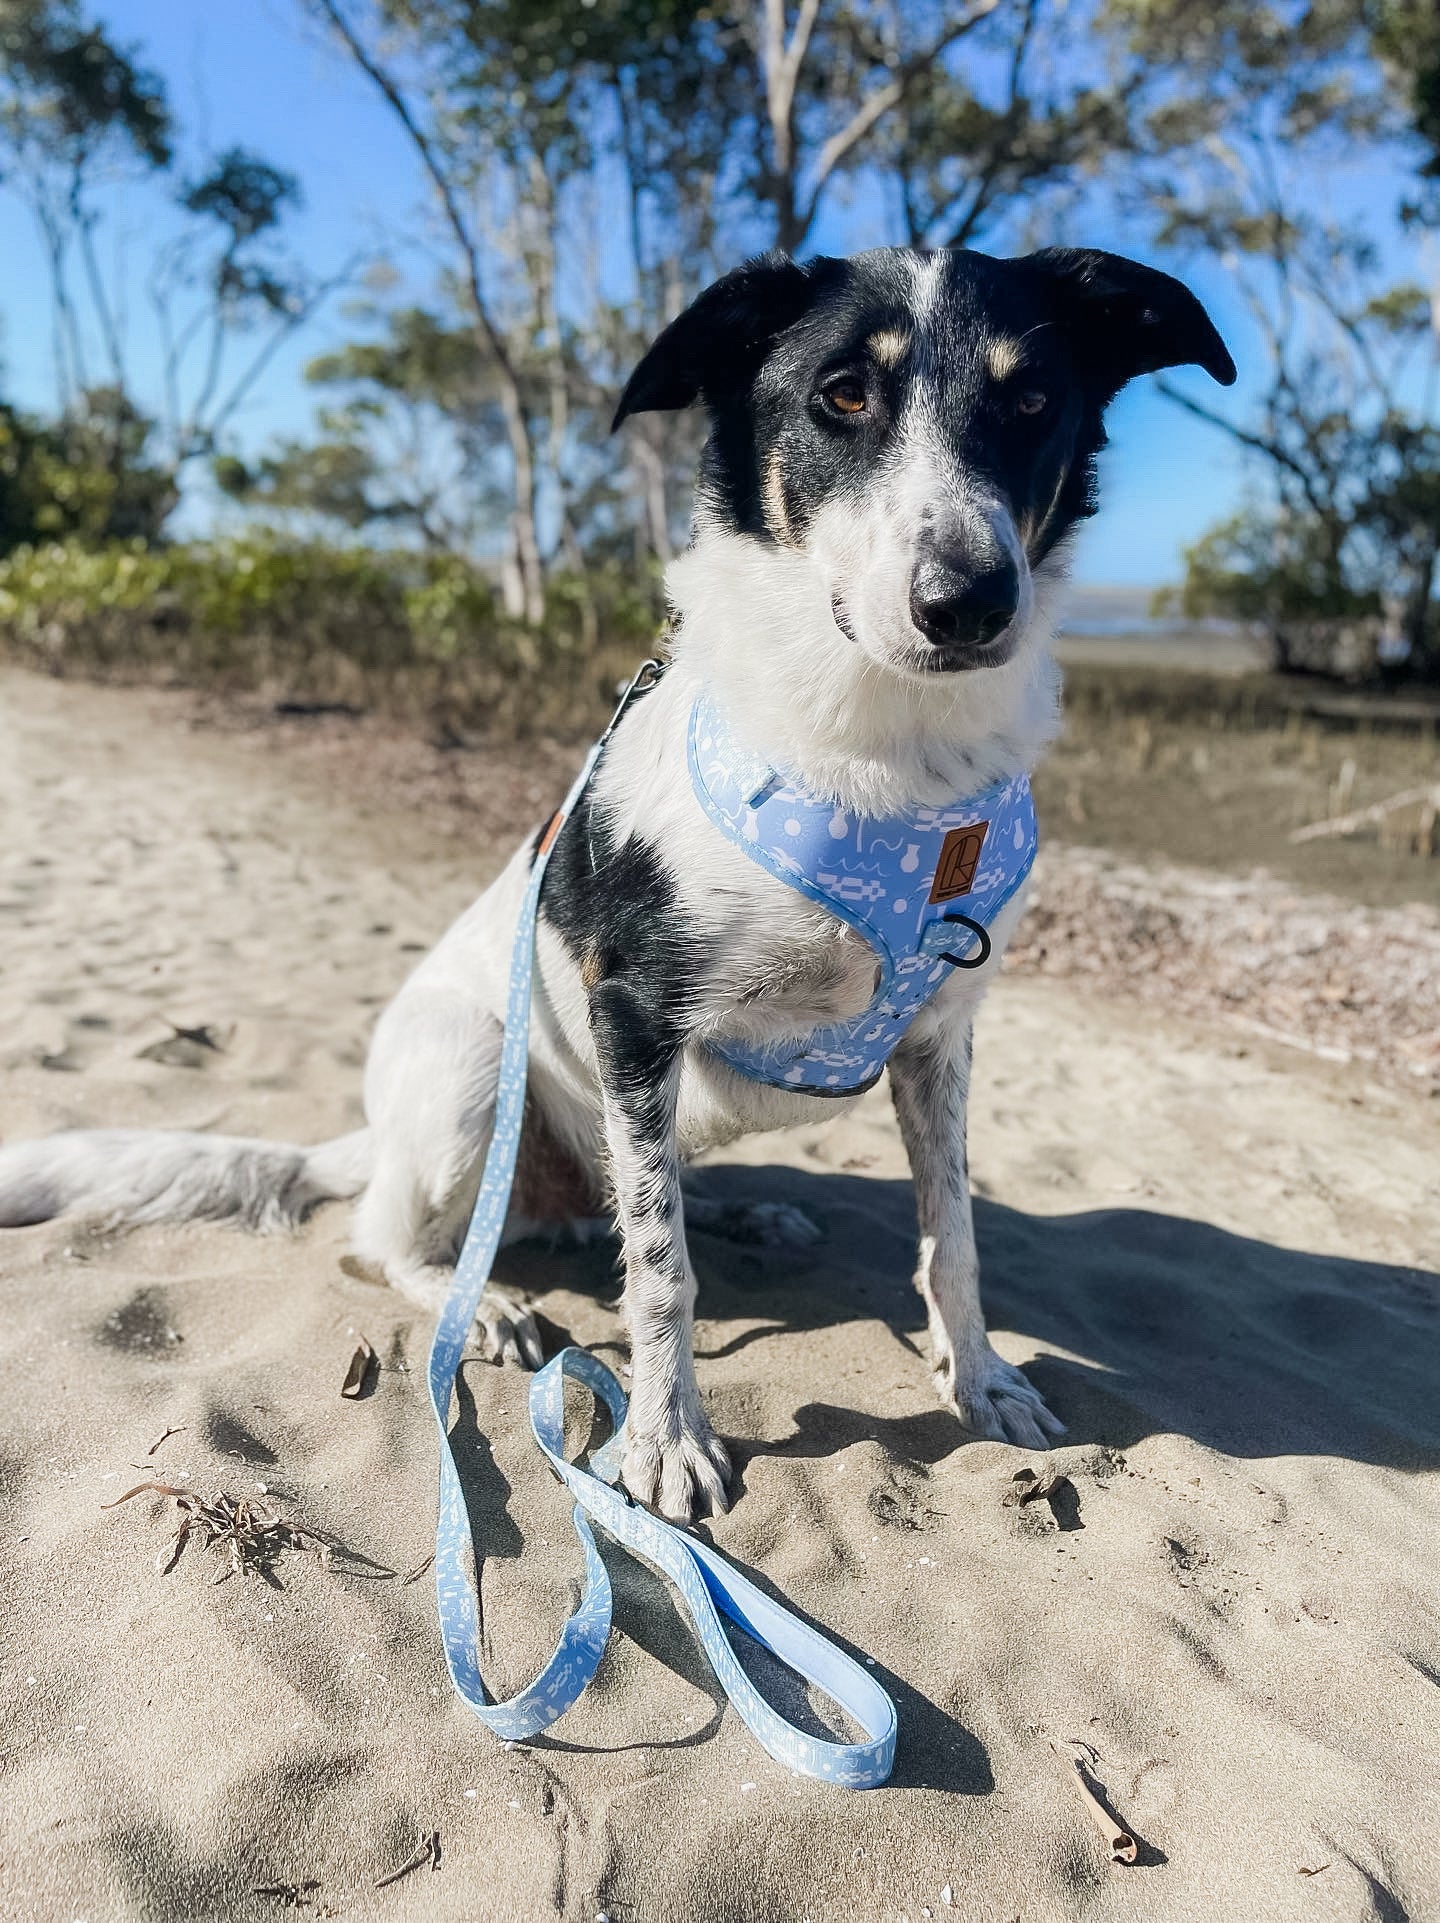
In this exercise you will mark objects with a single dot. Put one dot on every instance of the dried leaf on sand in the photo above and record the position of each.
(358, 1374)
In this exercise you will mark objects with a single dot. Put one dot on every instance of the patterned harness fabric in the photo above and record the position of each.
(900, 882)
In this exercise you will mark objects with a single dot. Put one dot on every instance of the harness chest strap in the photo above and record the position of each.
(920, 888)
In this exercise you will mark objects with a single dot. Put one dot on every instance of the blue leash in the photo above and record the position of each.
(709, 1586)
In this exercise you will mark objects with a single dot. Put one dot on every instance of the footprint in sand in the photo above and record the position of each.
(142, 1325)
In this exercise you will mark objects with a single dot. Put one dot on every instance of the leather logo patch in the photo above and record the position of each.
(959, 858)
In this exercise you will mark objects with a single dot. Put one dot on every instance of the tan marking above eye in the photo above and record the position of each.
(888, 345)
(1002, 357)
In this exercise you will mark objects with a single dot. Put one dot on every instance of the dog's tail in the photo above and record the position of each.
(127, 1176)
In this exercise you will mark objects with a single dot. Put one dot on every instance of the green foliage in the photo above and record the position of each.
(421, 636)
(1269, 568)
(246, 198)
(68, 88)
(333, 480)
(86, 476)
(245, 194)
(407, 450)
(1406, 36)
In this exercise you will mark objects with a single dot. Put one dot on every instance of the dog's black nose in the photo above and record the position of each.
(958, 609)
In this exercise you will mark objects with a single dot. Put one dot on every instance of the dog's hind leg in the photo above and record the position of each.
(430, 1096)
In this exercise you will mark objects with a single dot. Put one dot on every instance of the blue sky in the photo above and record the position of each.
(249, 71)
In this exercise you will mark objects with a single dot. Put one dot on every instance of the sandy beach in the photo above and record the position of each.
(1216, 1253)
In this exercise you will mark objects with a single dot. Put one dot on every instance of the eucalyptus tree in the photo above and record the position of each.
(76, 109)
(406, 444)
(79, 115)
(1344, 429)
(227, 295)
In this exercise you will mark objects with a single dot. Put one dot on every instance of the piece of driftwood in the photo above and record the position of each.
(1081, 1758)
(1360, 818)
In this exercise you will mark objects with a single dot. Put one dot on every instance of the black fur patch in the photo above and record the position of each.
(614, 907)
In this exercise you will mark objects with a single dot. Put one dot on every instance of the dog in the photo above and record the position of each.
(901, 447)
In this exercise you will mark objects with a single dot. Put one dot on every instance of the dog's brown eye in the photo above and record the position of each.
(1032, 401)
(846, 397)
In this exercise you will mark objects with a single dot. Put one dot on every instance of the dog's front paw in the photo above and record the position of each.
(507, 1332)
(996, 1401)
(677, 1465)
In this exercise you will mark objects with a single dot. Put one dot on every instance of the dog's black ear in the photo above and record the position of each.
(1127, 319)
(722, 337)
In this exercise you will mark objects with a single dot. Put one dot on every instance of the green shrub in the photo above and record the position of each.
(420, 635)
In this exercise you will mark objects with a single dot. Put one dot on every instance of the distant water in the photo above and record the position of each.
(1114, 626)
(1153, 626)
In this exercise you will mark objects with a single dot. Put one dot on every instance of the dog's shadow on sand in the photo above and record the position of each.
(1164, 1326)
(1169, 1326)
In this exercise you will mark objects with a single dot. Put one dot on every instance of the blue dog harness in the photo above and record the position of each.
(919, 887)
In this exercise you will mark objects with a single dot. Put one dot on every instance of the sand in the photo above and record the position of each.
(1217, 1256)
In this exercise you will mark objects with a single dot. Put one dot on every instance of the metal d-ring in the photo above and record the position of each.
(976, 928)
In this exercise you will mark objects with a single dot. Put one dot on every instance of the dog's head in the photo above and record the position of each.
(922, 427)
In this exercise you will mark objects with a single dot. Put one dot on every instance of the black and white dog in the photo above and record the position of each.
(900, 446)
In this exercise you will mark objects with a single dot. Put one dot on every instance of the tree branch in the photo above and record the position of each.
(873, 110)
(204, 435)
(517, 426)
(425, 148)
(1272, 449)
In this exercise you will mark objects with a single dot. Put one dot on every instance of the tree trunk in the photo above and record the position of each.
(523, 521)
(1424, 658)
(649, 463)
(526, 532)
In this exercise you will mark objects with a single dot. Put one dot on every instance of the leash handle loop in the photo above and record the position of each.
(707, 1583)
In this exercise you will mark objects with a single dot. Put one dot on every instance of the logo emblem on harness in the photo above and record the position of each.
(959, 858)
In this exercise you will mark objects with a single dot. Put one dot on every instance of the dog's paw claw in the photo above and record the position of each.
(997, 1402)
(507, 1332)
(682, 1474)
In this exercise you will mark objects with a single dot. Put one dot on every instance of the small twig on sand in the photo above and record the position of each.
(1026, 1487)
(292, 1896)
(418, 1571)
(1082, 1758)
(179, 1430)
(428, 1852)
